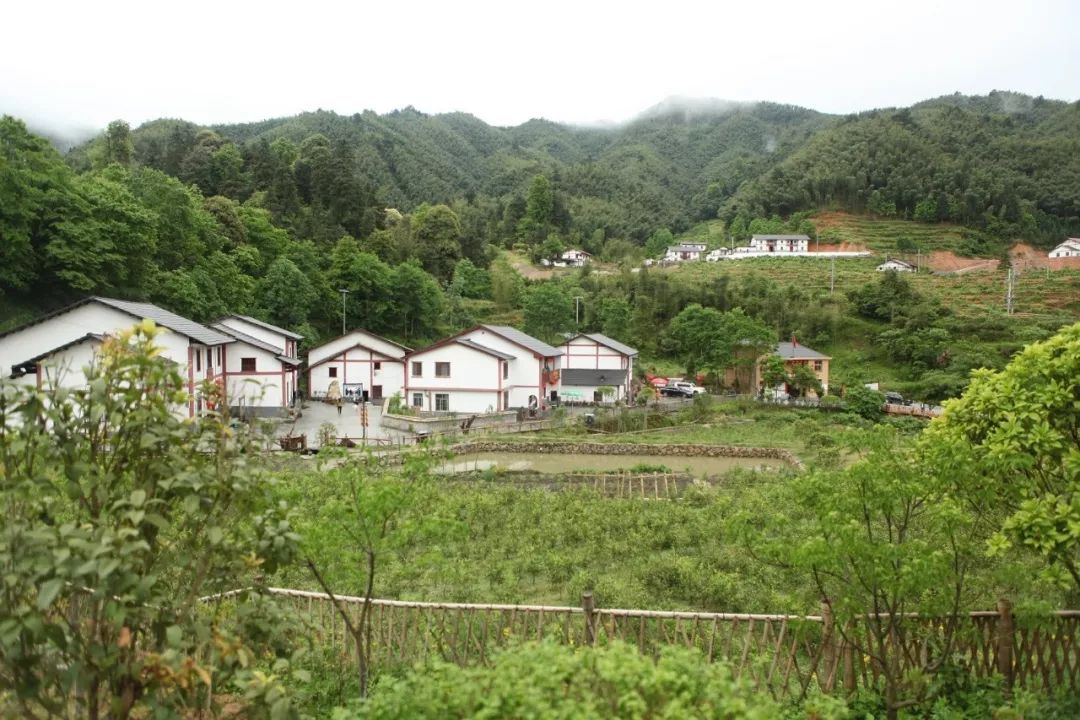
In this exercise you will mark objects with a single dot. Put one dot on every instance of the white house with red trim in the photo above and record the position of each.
(259, 368)
(487, 368)
(361, 363)
(592, 361)
(52, 350)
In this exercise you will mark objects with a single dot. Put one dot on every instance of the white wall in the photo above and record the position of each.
(474, 384)
(357, 365)
(352, 339)
(581, 352)
(262, 388)
(67, 368)
(526, 369)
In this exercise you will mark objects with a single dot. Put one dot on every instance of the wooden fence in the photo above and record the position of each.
(785, 655)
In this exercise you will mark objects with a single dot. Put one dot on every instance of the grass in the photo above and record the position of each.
(881, 234)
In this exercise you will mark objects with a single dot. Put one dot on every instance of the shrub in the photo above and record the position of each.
(543, 680)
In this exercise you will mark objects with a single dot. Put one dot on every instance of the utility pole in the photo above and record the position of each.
(577, 311)
(1009, 278)
(343, 292)
(832, 275)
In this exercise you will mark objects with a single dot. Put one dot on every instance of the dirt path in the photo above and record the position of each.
(1024, 257)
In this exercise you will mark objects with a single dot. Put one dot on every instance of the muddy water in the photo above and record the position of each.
(555, 463)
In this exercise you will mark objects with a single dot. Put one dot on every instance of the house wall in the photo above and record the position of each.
(587, 393)
(1063, 252)
(269, 386)
(475, 383)
(357, 365)
(581, 352)
(67, 368)
(526, 369)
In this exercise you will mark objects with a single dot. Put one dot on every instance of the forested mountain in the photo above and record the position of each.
(407, 210)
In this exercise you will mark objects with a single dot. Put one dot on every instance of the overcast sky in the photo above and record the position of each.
(82, 64)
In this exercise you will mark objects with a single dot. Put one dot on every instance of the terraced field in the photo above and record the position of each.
(881, 234)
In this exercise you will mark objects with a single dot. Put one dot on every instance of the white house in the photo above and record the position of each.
(684, 252)
(717, 255)
(361, 363)
(895, 266)
(54, 348)
(1069, 248)
(596, 352)
(483, 369)
(259, 368)
(576, 258)
(780, 243)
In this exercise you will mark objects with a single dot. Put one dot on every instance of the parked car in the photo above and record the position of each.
(895, 398)
(674, 390)
(691, 387)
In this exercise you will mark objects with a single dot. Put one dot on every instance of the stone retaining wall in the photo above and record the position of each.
(446, 423)
(587, 448)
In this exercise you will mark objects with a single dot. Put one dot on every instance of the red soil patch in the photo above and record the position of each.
(826, 220)
(945, 261)
(1025, 257)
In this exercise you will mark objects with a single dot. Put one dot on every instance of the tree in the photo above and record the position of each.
(707, 339)
(417, 302)
(1010, 443)
(549, 311)
(471, 281)
(881, 540)
(437, 233)
(118, 146)
(539, 211)
(106, 493)
(286, 294)
(773, 371)
(373, 505)
(863, 401)
(805, 380)
(507, 285)
(368, 280)
(615, 316)
(658, 242)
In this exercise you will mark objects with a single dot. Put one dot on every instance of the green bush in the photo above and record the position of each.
(546, 681)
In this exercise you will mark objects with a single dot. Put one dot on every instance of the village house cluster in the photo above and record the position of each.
(256, 366)
(760, 246)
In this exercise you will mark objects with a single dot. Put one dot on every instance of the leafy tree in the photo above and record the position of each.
(471, 281)
(507, 285)
(417, 302)
(863, 401)
(707, 339)
(1010, 444)
(773, 371)
(118, 146)
(286, 294)
(369, 281)
(805, 380)
(539, 211)
(106, 495)
(881, 540)
(615, 315)
(437, 234)
(659, 242)
(549, 311)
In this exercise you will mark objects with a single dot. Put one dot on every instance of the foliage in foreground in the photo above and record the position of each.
(118, 516)
(547, 682)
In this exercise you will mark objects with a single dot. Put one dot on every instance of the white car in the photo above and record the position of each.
(690, 387)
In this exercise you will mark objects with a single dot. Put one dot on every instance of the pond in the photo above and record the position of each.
(554, 463)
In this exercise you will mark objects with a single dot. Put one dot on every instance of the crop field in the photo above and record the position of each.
(881, 234)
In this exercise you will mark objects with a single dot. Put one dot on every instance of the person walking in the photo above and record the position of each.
(339, 406)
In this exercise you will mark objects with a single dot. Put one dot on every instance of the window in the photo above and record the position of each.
(333, 372)
(219, 356)
(442, 369)
(506, 399)
(198, 360)
(506, 369)
(378, 366)
(817, 365)
(418, 400)
(209, 359)
(247, 364)
(442, 401)
(418, 369)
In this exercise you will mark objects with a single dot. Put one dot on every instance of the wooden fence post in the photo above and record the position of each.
(828, 645)
(590, 618)
(1005, 639)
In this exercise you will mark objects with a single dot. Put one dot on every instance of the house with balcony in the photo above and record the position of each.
(684, 252)
(487, 368)
(259, 370)
(779, 243)
(593, 362)
(358, 364)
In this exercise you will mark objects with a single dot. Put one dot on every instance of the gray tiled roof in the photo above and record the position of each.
(266, 326)
(189, 328)
(794, 351)
(611, 343)
(585, 377)
(484, 349)
(686, 248)
(516, 336)
(256, 342)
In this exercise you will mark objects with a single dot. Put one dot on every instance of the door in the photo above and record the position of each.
(376, 392)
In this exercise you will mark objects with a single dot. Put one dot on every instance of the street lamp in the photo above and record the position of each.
(577, 310)
(343, 292)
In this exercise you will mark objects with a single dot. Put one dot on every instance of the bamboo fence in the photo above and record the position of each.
(785, 655)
